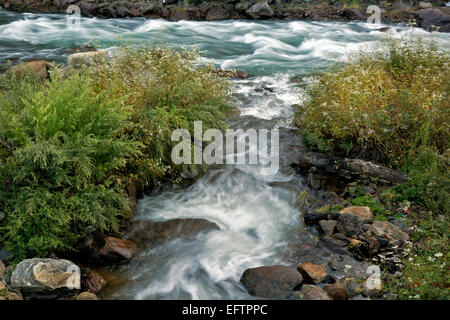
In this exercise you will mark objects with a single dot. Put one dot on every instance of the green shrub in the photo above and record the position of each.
(69, 144)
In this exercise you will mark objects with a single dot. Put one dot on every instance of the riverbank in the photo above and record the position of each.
(424, 14)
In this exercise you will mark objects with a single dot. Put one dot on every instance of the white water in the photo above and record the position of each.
(257, 221)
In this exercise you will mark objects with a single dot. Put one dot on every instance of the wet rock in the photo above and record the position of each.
(316, 293)
(271, 281)
(327, 226)
(350, 285)
(178, 14)
(116, 250)
(153, 232)
(39, 68)
(349, 225)
(432, 18)
(390, 229)
(217, 13)
(260, 10)
(312, 273)
(87, 296)
(86, 58)
(312, 218)
(336, 291)
(93, 282)
(46, 278)
(363, 213)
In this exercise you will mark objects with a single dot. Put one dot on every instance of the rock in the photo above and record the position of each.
(363, 213)
(391, 229)
(2, 269)
(313, 181)
(260, 10)
(242, 6)
(2, 216)
(349, 225)
(316, 293)
(2, 286)
(217, 13)
(327, 226)
(431, 18)
(153, 232)
(354, 243)
(87, 296)
(39, 68)
(425, 5)
(177, 15)
(93, 282)
(336, 291)
(311, 218)
(271, 281)
(116, 249)
(46, 278)
(350, 285)
(312, 273)
(353, 14)
(86, 58)
(372, 287)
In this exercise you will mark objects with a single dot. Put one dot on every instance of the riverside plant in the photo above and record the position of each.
(70, 144)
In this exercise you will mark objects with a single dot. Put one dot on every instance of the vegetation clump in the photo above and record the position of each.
(68, 145)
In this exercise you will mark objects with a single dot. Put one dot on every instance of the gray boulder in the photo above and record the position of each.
(349, 225)
(46, 278)
(271, 281)
(260, 10)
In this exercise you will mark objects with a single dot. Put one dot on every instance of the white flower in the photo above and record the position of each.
(438, 255)
(430, 259)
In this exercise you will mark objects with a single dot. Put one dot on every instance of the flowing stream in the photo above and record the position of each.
(257, 221)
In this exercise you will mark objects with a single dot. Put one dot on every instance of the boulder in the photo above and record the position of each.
(327, 226)
(353, 14)
(260, 10)
(349, 225)
(431, 18)
(350, 285)
(271, 281)
(425, 5)
(242, 6)
(316, 293)
(217, 13)
(39, 68)
(363, 213)
(154, 232)
(2, 286)
(86, 58)
(312, 273)
(46, 278)
(390, 229)
(116, 249)
(87, 296)
(336, 291)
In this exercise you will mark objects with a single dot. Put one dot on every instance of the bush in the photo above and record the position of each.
(67, 145)
(390, 104)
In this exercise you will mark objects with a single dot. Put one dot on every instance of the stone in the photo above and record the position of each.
(336, 291)
(87, 296)
(93, 282)
(432, 17)
(354, 243)
(372, 287)
(155, 232)
(2, 269)
(46, 278)
(217, 13)
(116, 249)
(271, 281)
(391, 229)
(353, 14)
(350, 285)
(39, 68)
(242, 6)
(425, 5)
(260, 10)
(86, 58)
(2, 286)
(363, 213)
(349, 225)
(327, 226)
(316, 293)
(2, 216)
(312, 273)
(312, 218)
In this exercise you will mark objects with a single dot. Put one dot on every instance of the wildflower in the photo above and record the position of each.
(438, 255)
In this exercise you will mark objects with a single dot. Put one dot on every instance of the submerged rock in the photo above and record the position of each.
(271, 281)
(46, 278)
